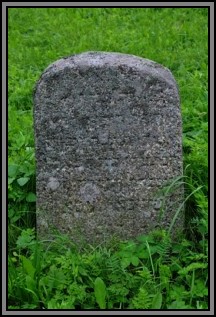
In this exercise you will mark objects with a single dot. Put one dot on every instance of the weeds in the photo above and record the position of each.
(138, 275)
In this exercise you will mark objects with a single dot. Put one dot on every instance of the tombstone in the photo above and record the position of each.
(108, 136)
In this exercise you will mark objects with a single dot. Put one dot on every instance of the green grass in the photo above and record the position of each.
(151, 272)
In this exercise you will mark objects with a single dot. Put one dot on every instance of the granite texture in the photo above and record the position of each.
(108, 135)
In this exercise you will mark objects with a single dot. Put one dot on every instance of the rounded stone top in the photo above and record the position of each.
(109, 60)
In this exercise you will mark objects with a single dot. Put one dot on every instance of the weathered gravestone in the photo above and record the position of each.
(108, 135)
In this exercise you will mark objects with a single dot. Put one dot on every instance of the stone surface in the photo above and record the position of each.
(108, 135)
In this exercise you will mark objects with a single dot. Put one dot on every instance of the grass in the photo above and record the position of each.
(151, 272)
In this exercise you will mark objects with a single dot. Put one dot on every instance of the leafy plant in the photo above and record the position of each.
(100, 292)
